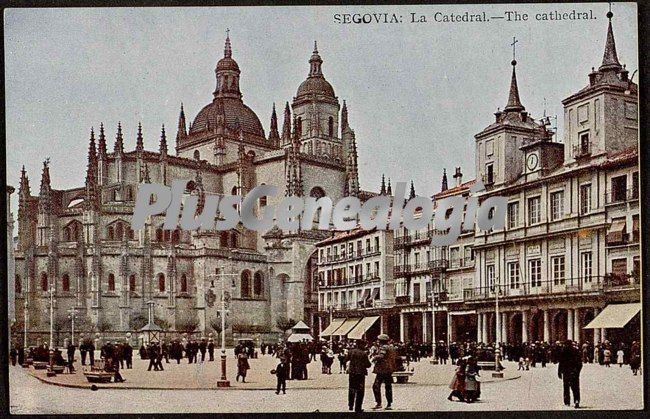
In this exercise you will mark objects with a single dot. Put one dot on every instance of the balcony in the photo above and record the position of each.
(437, 265)
(621, 196)
(582, 151)
(568, 286)
(401, 270)
(487, 180)
(459, 263)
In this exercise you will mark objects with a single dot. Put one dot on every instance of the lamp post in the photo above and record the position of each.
(26, 320)
(433, 304)
(72, 316)
(223, 382)
(51, 318)
(497, 290)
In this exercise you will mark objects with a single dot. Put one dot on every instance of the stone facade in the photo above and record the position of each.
(79, 242)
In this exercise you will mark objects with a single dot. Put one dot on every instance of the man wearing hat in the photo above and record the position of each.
(568, 370)
(384, 367)
(358, 364)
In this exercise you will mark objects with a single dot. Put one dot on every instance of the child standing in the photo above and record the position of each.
(281, 372)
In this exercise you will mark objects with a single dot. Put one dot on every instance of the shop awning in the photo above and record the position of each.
(614, 316)
(617, 226)
(375, 294)
(346, 326)
(335, 324)
(362, 327)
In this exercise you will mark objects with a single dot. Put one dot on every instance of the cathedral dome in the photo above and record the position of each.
(235, 115)
(315, 83)
(227, 63)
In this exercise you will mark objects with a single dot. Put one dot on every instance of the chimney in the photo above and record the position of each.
(458, 176)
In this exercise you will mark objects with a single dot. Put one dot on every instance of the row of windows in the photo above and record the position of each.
(110, 279)
(335, 250)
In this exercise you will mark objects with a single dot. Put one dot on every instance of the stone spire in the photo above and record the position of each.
(351, 168)
(102, 141)
(45, 194)
(293, 165)
(382, 190)
(139, 142)
(90, 201)
(274, 135)
(119, 141)
(23, 189)
(445, 184)
(163, 142)
(610, 58)
(286, 126)
(182, 127)
(227, 72)
(514, 104)
(344, 117)
(227, 50)
(412, 191)
(389, 189)
(315, 62)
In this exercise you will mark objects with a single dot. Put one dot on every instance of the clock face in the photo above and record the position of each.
(531, 161)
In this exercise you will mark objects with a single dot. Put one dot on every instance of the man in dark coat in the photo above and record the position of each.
(152, 354)
(202, 348)
(71, 351)
(127, 351)
(384, 368)
(358, 364)
(281, 372)
(211, 349)
(83, 349)
(568, 370)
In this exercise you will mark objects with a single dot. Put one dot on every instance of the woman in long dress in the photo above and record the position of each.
(242, 366)
(471, 381)
(457, 385)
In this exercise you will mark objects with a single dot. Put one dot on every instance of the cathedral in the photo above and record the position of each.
(77, 250)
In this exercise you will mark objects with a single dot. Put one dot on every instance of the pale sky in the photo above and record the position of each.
(417, 93)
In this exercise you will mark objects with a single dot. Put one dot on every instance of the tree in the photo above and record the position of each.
(187, 323)
(138, 321)
(215, 324)
(162, 323)
(284, 324)
(104, 326)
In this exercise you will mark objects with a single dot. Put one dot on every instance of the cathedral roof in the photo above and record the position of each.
(315, 83)
(235, 115)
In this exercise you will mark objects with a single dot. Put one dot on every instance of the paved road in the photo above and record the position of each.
(602, 388)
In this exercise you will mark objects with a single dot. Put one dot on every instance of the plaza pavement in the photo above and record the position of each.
(205, 375)
(538, 389)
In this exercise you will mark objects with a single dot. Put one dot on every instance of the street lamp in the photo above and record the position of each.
(497, 290)
(26, 316)
(433, 304)
(223, 382)
(72, 316)
(51, 318)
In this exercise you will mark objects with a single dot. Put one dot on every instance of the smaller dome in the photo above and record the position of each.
(315, 85)
(227, 63)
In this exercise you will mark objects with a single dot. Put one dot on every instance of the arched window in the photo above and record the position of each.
(65, 282)
(233, 191)
(183, 283)
(197, 155)
(66, 234)
(176, 236)
(246, 284)
(223, 239)
(18, 286)
(131, 234)
(132, 283)
(330, 126)
(258, 284)
(159, 235)
(111, 282)
(44, 282)
(299, 126)
(317, 192)
(233, 239)
(161, 282)
(111, 233)
(119, 231)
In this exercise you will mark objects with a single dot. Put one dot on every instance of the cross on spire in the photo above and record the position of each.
(514, 46)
